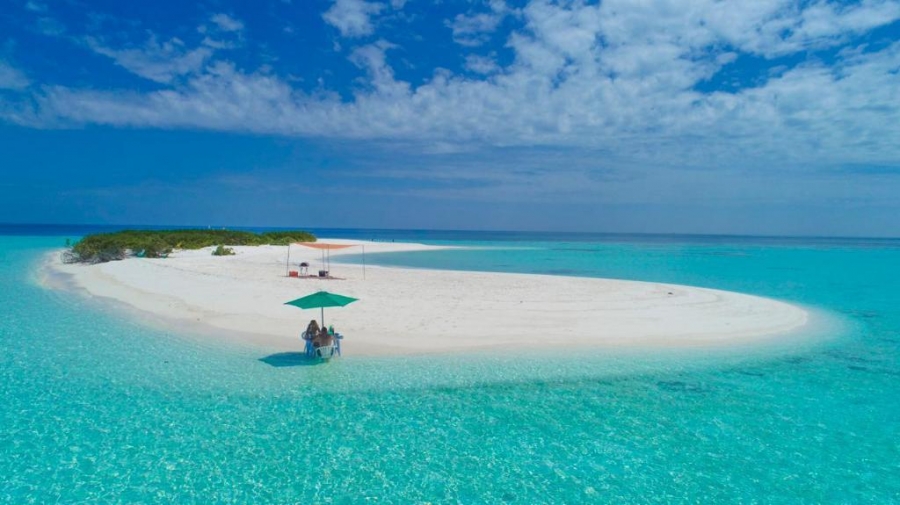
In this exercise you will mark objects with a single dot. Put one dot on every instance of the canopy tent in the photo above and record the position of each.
(326, 254)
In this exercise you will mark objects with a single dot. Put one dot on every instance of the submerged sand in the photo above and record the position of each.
(408, 311)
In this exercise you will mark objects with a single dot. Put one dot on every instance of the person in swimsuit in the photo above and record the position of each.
(311, 331)
(323, 338)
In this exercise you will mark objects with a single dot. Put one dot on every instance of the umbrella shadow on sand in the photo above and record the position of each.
(283, 359)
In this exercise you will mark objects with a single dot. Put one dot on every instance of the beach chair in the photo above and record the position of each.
(325, 351)
(308, 349)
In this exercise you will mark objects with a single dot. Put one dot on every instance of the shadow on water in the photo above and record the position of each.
(283, 359)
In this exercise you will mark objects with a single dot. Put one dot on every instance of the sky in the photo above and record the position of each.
(762, 117)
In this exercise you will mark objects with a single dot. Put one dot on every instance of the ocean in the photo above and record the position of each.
(98, 408)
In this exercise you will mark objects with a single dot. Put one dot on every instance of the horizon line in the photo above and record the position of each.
(452, 230)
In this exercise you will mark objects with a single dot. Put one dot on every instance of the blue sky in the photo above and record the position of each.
(685, 116)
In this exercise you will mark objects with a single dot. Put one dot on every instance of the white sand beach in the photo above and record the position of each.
(410, 311)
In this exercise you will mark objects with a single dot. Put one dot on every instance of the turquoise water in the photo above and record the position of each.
(99, 409)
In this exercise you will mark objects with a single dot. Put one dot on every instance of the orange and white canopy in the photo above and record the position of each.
(325, 248)
(322, 245)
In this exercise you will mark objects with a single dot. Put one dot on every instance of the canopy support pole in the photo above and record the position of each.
(323, 316)
(287, 263)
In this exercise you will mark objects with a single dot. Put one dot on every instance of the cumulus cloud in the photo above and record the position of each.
(474, 29)
(168, 60)
(157, 61)
(353, 18)
(11, 78)
(227, 23)
(222, 32)
(373, 59)
(616, 80)
(481, 64)
(768, 28)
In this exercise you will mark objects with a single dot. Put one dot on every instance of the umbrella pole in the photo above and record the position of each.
(323, 316)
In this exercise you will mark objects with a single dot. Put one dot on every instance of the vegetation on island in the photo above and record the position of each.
(223, 251)
(103, 247)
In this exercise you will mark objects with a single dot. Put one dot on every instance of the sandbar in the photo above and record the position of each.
(413, 311)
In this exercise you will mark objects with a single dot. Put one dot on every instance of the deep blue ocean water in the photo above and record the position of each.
(97, 408)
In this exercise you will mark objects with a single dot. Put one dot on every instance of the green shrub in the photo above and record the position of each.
(223, 251)
(103, 247)
(156, 248)
(286, 237)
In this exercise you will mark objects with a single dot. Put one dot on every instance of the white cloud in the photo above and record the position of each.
(824, 20)
(372, 58)
(227, 23)
(481, 64)
(167, 60)
(157, 61)
(11, 78)
(474, 29)
(811, 113)
(611, 83)
(222, 32)
(353, 18)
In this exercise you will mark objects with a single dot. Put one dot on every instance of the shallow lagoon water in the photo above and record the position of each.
(98, 408)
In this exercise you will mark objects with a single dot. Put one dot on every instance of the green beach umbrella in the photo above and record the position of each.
(321, 300)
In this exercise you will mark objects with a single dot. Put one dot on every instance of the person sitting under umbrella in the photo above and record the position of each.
(323, 339)
(311, 331)
(320, 300)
